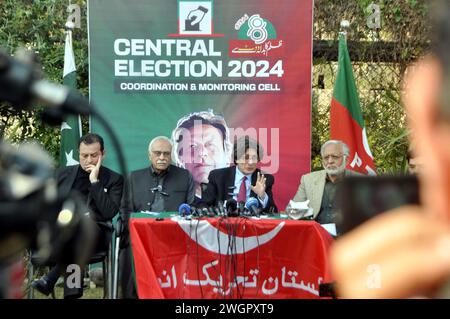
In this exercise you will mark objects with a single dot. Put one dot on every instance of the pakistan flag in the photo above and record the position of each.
(71, 127)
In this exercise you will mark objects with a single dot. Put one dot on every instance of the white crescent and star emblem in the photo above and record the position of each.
(65, 126)
(70, 160)
(212, 239)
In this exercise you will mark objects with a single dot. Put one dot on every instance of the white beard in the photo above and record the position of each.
(336, 171)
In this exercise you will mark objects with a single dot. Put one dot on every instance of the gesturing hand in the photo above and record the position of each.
(260, 186)
(94, 170)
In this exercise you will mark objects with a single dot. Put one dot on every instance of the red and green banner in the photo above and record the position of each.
(246, 65)
(346, 121)
(229, 258)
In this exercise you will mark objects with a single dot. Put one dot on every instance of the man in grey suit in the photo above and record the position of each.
(159, 188)
(320, 187)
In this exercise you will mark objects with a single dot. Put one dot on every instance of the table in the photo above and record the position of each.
(228, 257)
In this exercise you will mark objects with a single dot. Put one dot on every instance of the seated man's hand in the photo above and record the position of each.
(260, 187)
(400, 254)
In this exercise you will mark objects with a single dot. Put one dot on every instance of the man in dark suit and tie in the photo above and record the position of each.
(244, 180)
(100, 187)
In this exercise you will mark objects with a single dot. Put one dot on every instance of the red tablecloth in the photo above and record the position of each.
(229, 258)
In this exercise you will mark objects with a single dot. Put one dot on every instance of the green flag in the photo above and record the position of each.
(346, 121)
(71, 127)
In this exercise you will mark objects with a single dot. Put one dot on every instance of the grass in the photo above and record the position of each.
(88, 293)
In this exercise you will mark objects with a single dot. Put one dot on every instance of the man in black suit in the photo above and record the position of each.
(100, 187)
(243, 180)
(159, 188)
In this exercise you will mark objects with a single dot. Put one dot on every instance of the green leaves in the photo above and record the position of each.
(378, 72)
(39, 26)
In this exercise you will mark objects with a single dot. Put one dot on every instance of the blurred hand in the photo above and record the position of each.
(399, 254)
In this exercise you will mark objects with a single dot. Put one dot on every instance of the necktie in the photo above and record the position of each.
(242, 195)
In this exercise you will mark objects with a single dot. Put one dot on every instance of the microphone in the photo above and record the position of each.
(159, 190)
(156, 189)
(241, 208)
(21, 84)
(221, 209)
(252, 205)
(184, 210)
(211, 211)
(231, 208)
(199, 212)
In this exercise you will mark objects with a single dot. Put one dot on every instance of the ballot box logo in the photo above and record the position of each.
(216, 241)
(256, 37)
(195, 19)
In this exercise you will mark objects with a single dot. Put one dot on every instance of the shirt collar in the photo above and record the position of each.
(240, 175)
(338, 178)
(152, 170)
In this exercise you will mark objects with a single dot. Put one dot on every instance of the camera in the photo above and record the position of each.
(361, 198)
(31, 206)
(34, 216)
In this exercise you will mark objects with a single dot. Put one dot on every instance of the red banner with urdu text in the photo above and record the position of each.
(229, 258)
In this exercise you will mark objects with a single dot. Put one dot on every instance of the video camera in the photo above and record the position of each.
(32, 213)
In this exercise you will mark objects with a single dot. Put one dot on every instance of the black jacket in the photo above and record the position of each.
(104, 197)
(221, 187)
(178, 185)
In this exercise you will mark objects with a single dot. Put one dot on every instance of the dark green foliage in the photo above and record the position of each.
(39, 26)
(403, 24)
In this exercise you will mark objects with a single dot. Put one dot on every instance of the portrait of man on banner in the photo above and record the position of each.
(201, 143)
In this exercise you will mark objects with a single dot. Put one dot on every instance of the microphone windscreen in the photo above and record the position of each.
(220, 204)
(252, 201)
(231, 205)
(241, 207)
(184, 209)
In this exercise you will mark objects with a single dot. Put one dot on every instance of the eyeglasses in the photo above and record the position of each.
(253, 158)
(333, 157)
(159, 153)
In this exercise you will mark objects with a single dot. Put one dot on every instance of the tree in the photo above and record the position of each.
(405, 27)
(39, 26)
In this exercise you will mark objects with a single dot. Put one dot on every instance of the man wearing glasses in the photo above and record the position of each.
(320, 187)
(243, 180)
(162, 187)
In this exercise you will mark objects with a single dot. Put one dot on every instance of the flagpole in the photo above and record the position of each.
(346, 120)
(71, 125)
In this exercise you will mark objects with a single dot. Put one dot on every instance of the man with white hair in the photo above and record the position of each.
(320, 187)
(162, 186)
(159, 188)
